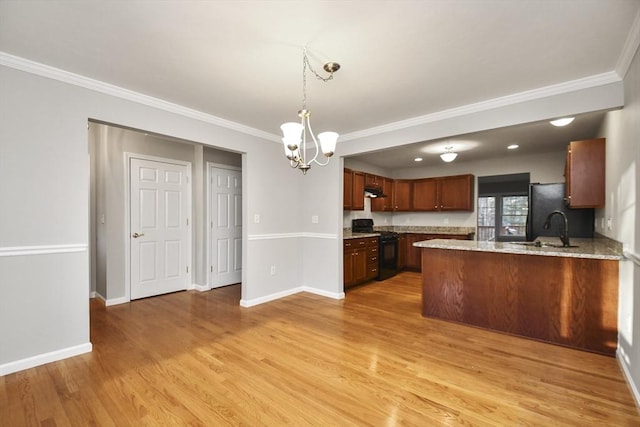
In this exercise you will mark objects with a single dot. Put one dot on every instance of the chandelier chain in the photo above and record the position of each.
(305, 64)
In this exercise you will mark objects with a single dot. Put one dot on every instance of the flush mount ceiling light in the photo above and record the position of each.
(417, 159)
(512, 146)
(295, 133)
(562, 122)
(449, 155)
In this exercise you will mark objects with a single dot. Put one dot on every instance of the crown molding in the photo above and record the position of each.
(630, 47)
(53, 73)
(530, 95)
(585, 83)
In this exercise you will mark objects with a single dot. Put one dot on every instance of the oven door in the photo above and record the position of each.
(388, 256)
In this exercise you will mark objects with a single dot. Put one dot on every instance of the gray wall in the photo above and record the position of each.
(44, 309)
(622, 130)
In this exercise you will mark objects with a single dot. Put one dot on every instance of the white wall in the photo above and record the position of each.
(622, 130)
(543, 168)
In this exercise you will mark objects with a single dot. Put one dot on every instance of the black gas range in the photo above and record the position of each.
(387, 247)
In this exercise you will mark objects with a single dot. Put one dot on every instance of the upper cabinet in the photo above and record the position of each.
(374, 181)
(347, 188)
(402, 193)
(585, 173)
(449, 193)
(353, 190)
(384, 204)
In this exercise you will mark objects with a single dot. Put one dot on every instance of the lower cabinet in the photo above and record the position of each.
(360, 260)
(402, 251)
(413, 257)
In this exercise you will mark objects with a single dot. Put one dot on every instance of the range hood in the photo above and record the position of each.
(373, 192)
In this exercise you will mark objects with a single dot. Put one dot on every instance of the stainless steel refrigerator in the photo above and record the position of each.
(546, 198)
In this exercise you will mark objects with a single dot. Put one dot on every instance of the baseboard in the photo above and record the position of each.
(288, 292)
(92, 294)
(627, 376)
(200, 288)
(321, 292)
(41, 359)
(267, 298)
(116, 301)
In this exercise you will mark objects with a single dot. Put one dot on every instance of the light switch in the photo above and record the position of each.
(256, 218)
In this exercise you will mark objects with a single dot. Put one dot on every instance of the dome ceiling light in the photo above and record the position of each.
(449, 155)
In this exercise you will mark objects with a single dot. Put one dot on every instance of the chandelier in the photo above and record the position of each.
(295, 133)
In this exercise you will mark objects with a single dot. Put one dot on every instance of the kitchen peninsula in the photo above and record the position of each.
(566, 296)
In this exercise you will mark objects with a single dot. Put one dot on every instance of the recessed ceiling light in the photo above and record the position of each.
(562, 122)
(512, 146)
(417, 159)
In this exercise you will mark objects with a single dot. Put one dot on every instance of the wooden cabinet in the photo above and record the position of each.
(353, 190)
(402, 193)
(449, 193)
(384, 204)
(347, 188)
(563, 300)
(456, 193)
(372, 258)
(357, 201)
(371, 180)
(413, 255)
(585, 173)
(402, 251)
(360, 260)
(425, 195)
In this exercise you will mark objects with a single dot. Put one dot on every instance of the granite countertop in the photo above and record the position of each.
(409, 229)
(349, 235)
(598, 248)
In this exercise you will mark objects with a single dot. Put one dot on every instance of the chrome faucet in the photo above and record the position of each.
(564, 236)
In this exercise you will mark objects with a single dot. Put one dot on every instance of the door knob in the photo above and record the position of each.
(136, 235)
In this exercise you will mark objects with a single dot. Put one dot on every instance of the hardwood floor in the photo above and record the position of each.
(195, 358)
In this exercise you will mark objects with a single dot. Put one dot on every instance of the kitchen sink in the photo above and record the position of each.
(539, 244)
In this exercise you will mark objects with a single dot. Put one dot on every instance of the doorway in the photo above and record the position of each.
(225, 224)
(111, 227)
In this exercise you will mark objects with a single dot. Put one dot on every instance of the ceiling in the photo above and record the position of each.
(531, 138)
(242, 60)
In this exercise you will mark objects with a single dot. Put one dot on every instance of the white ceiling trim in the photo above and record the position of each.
(530, 95)
(47, 71)
(630, 47)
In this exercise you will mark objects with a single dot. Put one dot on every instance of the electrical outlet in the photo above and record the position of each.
(256, 218)
(609, 224)
(273, 270)
(314, 219)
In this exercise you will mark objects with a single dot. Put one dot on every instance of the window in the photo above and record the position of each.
(503, 204)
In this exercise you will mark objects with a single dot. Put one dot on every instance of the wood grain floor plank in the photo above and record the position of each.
(372, 359)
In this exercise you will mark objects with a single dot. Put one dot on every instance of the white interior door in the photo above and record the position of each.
(159, 226)
(225, 196)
